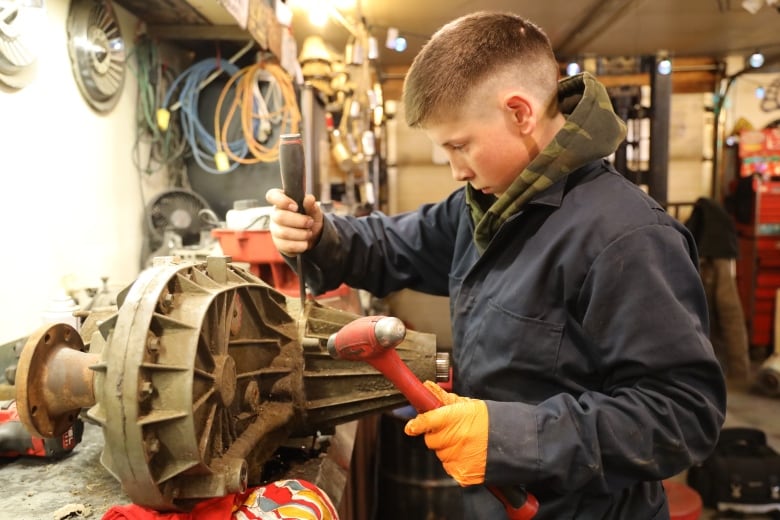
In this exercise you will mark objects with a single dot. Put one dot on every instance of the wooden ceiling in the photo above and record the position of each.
(576, 27)
(692, 30)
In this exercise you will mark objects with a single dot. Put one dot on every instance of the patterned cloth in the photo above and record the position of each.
(280, 500)
(286, 500)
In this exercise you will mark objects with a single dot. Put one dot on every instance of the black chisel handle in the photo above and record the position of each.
(293, 168)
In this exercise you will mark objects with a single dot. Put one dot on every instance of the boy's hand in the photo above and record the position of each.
(292, 232)
(458, 433)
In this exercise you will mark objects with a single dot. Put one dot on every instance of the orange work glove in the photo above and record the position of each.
(457, 432)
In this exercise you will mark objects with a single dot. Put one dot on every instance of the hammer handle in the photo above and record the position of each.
(373, 339)
(518, 503)
(404, 380)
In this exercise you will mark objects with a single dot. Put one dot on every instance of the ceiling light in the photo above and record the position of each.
(756, 59)
(665, 67)
(752, 6)
(319, 14)
(573, 68)
(394, 40)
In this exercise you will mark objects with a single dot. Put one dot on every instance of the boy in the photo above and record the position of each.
(582, 367)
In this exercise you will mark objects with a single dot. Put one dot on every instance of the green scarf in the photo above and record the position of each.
(592, 131)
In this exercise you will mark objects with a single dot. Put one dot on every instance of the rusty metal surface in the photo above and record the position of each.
(203, 374)
(53, 381)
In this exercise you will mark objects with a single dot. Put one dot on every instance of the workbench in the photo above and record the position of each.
(76, 486)
(41, 489)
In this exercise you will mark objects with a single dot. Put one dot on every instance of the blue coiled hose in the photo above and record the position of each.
(200, 140)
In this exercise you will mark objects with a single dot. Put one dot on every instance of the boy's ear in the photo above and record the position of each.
(522, 112)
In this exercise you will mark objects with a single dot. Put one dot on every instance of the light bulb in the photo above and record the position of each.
(573, 68)
(756, 59)
(319, 14)
(392, 37)
(665, 67)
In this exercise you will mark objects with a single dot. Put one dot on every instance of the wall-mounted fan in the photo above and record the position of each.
(17, 57)
(174, 220)
(97, 52)
(176, 210)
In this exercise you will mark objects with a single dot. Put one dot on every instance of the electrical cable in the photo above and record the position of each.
(166, 150)
(209, 218)
(201, 143)
(259, 112)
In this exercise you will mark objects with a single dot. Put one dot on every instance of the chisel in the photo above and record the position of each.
(293, 170)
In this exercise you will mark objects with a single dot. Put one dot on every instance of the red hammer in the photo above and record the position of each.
(373, 339)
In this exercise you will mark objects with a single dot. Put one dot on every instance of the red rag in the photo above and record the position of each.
(218, 508)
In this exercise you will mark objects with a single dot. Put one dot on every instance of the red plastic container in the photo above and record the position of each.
(256, 248)
(684, 502)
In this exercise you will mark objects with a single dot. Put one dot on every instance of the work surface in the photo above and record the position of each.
(34, 489)
(77, 486)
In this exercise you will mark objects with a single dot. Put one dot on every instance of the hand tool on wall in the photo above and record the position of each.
(373, 339)
(293, 171)
(15, 440)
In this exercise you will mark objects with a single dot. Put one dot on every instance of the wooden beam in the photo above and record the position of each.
(689, 75)
(620, 80)
(199, 32)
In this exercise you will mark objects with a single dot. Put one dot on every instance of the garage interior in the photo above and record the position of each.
(103, 186)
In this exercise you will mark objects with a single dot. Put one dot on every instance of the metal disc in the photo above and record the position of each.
(97, 52)
(17, 58)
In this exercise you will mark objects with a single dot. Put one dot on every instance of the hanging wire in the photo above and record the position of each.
(201, 143)
(259, 112)
(165, 149)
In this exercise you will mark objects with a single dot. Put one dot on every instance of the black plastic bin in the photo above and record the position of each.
(412, 485)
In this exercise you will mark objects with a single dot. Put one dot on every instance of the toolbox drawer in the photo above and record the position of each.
(761, 333)
(768, 250)
(768, 279)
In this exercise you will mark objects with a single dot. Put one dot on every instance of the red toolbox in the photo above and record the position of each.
(256, 248)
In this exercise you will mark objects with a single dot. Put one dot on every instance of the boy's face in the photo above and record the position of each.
(484, 145)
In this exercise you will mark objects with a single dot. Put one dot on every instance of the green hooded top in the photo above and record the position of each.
(592, 131)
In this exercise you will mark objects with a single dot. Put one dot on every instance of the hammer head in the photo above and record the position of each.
(366, 338)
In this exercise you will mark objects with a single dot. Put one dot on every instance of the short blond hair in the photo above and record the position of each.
(469, 50)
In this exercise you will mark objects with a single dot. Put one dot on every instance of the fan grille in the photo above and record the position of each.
(177, 210)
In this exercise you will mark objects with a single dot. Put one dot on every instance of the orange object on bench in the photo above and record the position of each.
(256, 248)
(684, 502)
